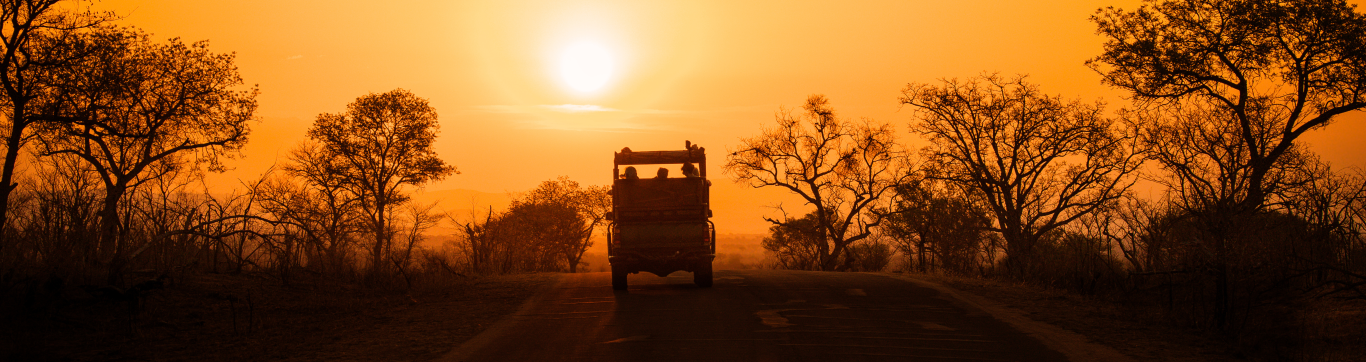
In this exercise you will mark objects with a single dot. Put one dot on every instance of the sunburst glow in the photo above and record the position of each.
(586, 66)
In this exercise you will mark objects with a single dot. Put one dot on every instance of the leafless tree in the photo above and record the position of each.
(845, 170)
(382, 143)
(323, 226)
(326, 210)
(1039, 162)
(478, 240)
(423, 219)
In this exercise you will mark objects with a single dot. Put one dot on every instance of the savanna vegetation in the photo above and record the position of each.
(110, 132)
(1251, 237)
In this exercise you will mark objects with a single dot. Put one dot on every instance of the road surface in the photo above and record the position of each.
(749, 315)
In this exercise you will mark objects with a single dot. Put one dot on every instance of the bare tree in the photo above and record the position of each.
(137, 111)
(382, 143)
(323, 224)
(845, 170)
(423, 219)
(323, 204)
(478, 240)
(1038, 162)
(1253, 76)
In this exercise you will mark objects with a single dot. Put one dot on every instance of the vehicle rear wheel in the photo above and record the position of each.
(702, 275)
(618, 277)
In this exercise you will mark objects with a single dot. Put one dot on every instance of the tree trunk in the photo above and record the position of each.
(377, 253)
(827, 254)
(111, 247)
(920, 253)
(12, 143)
(1221, 296)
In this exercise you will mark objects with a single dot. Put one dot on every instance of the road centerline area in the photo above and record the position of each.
(751, 315)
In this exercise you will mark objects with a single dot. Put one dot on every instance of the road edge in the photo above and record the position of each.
(1077, 347)
(501, 327)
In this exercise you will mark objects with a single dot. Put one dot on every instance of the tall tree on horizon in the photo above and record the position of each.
(137, 111)
(1227, 88)
(382, 143)
(844, 170)
(35, 39)
(1038, 162)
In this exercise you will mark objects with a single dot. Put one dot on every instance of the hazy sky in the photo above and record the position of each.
(706, 71)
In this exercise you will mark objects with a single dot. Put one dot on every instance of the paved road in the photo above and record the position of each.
(750, 315)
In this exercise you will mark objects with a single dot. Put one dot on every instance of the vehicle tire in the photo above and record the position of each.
(618, 278)
(702, 275)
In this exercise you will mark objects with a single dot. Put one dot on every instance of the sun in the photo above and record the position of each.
(586, 66)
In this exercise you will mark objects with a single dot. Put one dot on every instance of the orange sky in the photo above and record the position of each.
(706, 71)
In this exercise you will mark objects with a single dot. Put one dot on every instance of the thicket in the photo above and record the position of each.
(546, 230)
(1251, 234)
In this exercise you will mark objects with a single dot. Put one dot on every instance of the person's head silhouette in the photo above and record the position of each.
(689, 170)
(631, 173)
(663, 173)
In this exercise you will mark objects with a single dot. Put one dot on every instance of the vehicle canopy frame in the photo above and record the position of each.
(661, 224)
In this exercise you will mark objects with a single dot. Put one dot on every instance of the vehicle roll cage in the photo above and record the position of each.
(693, 154)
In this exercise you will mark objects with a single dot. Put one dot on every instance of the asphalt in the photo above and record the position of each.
(750, 315)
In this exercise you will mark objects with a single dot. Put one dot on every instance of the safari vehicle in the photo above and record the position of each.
(660, 224)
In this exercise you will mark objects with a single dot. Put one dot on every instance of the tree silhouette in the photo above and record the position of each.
(136, 111)
(322, 205)
(36, 39)
(541, 234)
(311, 201)
(382, 143)
(796, 243)
(590, 204)
(843, 169)
(1251, 77)
(932, 220)
(1038, 162)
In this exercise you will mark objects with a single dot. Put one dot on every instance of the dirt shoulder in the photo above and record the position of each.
(1084, 329)
(236, 318)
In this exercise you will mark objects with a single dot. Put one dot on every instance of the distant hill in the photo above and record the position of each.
(461, 204)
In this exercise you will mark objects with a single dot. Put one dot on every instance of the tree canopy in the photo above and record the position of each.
(1037, 161)
(841, 168)
(382, 143)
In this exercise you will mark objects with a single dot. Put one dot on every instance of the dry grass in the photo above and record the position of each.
(244, 318)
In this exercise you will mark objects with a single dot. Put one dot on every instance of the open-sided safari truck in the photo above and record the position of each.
(659, 224)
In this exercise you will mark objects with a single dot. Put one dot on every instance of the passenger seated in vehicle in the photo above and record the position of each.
(663, 173)
(631, 173)
(689, 170)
